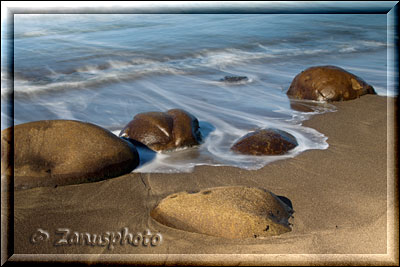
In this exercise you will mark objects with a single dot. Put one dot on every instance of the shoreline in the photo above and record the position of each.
(339, 196)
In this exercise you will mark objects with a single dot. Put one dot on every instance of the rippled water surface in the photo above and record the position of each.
(106, 68)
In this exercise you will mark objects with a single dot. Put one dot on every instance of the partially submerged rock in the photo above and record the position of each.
(234, 79)
(162, 131)
(265, 142)
(62, 152)
(230, 212)
(328, 83)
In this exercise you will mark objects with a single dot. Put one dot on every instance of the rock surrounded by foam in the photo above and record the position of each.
(265, 142)
(328, 83)
(162, 131)
(61, 152)
(230, 212)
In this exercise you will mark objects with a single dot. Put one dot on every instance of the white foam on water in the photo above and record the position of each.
(348, 49)
(135, 67)
(221, 126)
(109, 69)
(92, 75)
(372, 43)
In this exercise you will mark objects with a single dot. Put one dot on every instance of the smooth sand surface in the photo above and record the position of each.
(339, 196)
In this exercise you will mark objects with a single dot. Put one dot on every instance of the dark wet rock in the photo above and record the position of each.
(234, 79)
(265, 142)
(162, 131)
(230, 212)
(328, 83)
(62, 152)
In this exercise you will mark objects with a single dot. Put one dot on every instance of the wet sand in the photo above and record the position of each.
(343, 198)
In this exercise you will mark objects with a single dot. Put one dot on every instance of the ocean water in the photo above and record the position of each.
(106, 68)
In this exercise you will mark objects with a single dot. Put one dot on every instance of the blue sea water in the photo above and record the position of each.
(105, 68)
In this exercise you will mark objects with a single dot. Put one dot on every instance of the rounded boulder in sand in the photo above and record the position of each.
(62, 152)
(230, 212)
(328, 83)
(162, 131)
(265, 142)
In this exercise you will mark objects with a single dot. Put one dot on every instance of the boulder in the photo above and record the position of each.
(328, 83)
(265, 142)
(161, 131)
(230, 212)
(62, 152)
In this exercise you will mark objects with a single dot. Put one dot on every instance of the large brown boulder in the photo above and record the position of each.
(162, 131)
(230, 212)
(328, 83)
(61, 152)
(265, 142)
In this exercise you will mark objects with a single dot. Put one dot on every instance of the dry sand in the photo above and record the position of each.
(342, 197)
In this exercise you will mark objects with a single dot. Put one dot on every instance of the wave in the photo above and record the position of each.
(93, 75)
(86, 78)
(74, 30)
(31, 34)
(347, 49)
(372, 43)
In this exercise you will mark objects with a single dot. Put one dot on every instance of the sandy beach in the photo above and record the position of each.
(343, 198)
